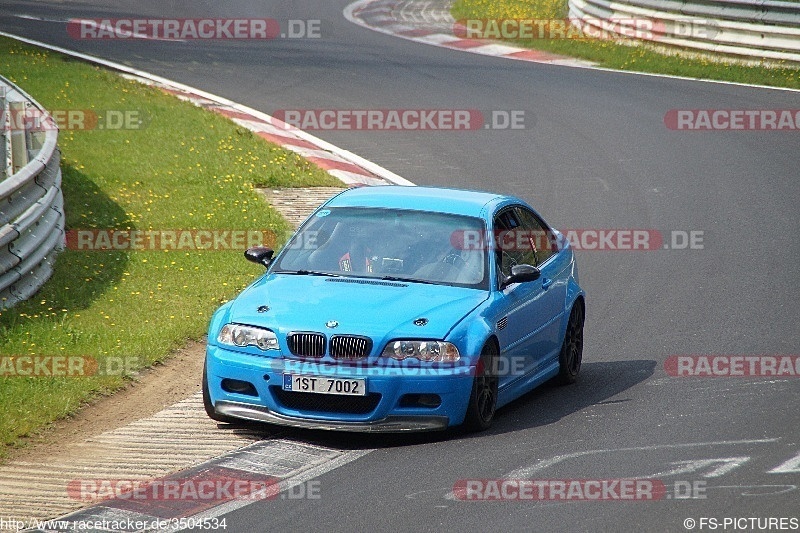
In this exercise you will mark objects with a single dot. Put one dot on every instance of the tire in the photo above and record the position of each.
(483, 399)
(209, 407)
(571, 355)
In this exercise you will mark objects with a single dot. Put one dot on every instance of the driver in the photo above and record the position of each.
(346, 250)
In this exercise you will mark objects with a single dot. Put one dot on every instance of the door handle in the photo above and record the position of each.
(546, 282)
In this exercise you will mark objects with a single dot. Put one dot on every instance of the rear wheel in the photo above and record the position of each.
(209, 407)
(572, 350)
(483, 400)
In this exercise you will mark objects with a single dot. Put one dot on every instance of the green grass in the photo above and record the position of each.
(616, 56)
(188, 169)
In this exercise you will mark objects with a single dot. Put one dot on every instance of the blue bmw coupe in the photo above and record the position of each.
(399, 309)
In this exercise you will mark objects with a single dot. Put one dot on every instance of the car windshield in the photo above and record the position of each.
(391, 244)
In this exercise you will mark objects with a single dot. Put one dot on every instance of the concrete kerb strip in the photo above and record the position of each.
(281, 464)
(142, 450)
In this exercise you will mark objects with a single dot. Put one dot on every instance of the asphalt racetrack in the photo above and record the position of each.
(594, 153)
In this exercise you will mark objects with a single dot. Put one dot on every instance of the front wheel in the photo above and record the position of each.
(483, 400)
(572, 350)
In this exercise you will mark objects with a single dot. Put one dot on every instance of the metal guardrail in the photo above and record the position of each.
(31, 203)
(757, 29)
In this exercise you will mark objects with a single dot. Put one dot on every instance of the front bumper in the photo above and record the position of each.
(389, 414)
(390, 424)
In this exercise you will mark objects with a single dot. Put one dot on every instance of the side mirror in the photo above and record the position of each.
(260, 255)
(521, 274)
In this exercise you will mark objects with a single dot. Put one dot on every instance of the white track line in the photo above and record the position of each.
(527, 471)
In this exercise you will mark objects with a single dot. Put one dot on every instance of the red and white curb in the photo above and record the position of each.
(418, 21)
(280, 133)
(351, 169)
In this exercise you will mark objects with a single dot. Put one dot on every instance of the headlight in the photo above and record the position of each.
(431, 351)
(239, 335)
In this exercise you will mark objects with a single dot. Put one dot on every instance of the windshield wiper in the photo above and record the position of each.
(409, 280)
(309, 273)
(334, 275)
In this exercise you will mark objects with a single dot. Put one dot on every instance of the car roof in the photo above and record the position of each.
(434, 199)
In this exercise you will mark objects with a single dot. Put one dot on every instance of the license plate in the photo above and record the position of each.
(323, 385)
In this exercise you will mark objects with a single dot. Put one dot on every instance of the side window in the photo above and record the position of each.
(507, 226)
(538, 237)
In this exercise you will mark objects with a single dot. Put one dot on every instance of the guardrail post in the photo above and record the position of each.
(19, 148)
(5, 134)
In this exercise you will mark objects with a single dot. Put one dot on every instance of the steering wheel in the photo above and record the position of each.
(453, 258)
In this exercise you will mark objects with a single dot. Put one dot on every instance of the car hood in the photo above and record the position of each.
(379, 309)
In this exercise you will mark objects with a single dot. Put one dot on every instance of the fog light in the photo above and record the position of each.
(236, 386)
(430, 401)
